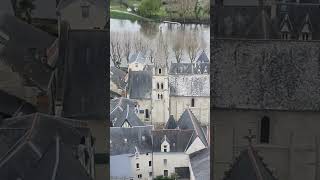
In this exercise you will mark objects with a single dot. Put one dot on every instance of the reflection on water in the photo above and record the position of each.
(150, 30)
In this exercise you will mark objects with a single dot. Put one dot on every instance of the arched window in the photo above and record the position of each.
(158, 96)
(161, 96)
(159, 70)
(158, 86)
(161, 85)
(265, 130)
(147, 113)
(192, 102)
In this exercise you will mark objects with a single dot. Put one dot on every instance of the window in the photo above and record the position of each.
(150, 173)
(165, 173)
(158, 87)
(161, 96)
(147, 113)
(158, 96)
(85, 11)
(159, 71)
(141, 111)
(150, 163)
(139, 176)
(285, 36)
(265, 130)
(137, 165)
(192, 102)
(165, 161)
(165, 148)
(161, 85)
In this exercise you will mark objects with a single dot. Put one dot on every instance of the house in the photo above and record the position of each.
(137, 61)
(118, 81)
(190, 91)
(32, 144)
(267, 90)
(130, 152)
(83, 14)
(271, 20)
(78, 85)
(140, 90)
(22, 59)
(123, 113)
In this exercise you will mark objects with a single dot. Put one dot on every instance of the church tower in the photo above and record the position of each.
(160, 95)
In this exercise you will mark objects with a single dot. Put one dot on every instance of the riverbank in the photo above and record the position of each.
(117, 14)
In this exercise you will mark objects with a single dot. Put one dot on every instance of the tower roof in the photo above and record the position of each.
(171, 123)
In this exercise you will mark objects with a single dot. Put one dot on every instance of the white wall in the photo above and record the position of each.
(120, 166)
(144, 168)
(136, 67)
(178, 104)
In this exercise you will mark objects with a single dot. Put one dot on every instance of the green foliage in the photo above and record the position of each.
(149, 8)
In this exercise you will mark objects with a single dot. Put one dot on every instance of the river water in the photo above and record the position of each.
(150, 30)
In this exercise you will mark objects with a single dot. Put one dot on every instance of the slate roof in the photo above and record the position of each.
(140, 85)
(139, 57)
(189, 68)
(189, 85)
(249, 166)
(11, 105)
(178, 139)
(123, 110)
(18, 50)
(200, 164)
(84, 88)
(171, 123)
(246, 21)
(188, 121)
(118, 77)
(33, 155)
(6, 6)
(134, 137)
(44, 9)
(275, 75)
(203, 58)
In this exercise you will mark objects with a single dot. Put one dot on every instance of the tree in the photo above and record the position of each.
(178, 47)
(25, 9)
(149, 7)
(139, 44)
(115, 50)
(127, 45)
(192, 46)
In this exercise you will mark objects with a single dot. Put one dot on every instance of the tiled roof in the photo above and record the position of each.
(258, 74)
(190, 85)
(125, 140)
(140, 84)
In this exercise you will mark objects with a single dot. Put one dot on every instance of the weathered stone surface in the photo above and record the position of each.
(282, 75)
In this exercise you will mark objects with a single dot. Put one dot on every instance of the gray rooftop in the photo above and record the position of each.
(19, 50)
(200, 164)
(188, 121)
(178, 139)
(190, 85)
(123, 110)
(125, 140)
(33, 154)
(6, 6)
(139, 57)
(203, 58)
(140, 84)
(277, 75)
(171, 123)
(118, 76)
(84, 88)
(190, 68)
(249, 166)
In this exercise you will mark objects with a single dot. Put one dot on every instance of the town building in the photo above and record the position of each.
(267, 90)
(83, 14)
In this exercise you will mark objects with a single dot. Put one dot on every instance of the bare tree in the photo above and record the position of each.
(192, 46)
(127, 45)
(178, 47)
(139, 44)
(115, 50)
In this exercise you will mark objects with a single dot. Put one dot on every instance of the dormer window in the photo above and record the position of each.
(165, 146)
(306, 31)
(125, 140)
(85, 11)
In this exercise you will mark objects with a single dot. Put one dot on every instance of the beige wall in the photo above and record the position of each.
(73, 14)
(289, 161)
(143, 105)
(201, 109)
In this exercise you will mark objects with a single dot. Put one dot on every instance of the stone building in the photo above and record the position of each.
(267, 90)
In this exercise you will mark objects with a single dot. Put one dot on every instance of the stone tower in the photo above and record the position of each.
(160, 95)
